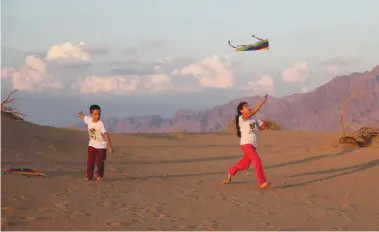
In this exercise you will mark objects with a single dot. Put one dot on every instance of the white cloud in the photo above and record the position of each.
(264, 85)
(33, 76)
(340, 65)
(211, 72)
(305, 89)
(7, 72)
(69, 54)
(107, 84)
(93, 49)
(157, 68)
(122, 84)
(297, 73)
(158, 82)
(342, 61)
(167, 74)
(333, 69)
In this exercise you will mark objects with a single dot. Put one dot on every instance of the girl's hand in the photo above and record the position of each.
(110, 149)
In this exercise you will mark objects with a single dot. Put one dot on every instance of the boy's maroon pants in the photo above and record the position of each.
(250, 155)
(97, 156)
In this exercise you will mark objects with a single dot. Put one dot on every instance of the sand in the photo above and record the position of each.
(172, 182)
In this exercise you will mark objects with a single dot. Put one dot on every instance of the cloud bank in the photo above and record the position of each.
(70, 68)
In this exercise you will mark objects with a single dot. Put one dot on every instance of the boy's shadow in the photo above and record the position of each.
(345, 171)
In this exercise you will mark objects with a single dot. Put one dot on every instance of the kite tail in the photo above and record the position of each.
(231, 45)
(257, 37)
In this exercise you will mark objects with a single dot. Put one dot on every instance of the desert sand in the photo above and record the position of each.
(172, 182)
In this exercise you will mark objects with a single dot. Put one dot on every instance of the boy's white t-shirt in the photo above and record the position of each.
(96, 132)
(249, 130)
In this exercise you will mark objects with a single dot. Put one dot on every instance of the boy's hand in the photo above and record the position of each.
(80, 115)
(110, 149)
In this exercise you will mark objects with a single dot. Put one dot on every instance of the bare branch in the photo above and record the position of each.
(9, 110)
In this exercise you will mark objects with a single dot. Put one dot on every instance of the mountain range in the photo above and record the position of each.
(320, 110)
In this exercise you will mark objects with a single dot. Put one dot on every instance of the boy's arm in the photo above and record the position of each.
(105, 133)
(108, 141)
(82, 116)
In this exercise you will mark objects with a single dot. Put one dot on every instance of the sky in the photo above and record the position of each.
(138, 57)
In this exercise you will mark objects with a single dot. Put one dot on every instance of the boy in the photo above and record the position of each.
(99, 142)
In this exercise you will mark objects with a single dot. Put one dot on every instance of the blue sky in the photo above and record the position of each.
(313, 40)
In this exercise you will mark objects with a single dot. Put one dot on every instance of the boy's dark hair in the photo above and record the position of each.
(239, 108)
(94, 107)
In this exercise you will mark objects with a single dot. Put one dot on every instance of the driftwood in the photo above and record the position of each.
(363, 137)
(9, 111)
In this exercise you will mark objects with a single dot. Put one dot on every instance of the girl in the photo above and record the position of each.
(246, 124)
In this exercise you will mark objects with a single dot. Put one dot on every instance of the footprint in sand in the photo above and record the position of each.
(197, 182)
(4, 222)
(21, 197)
(28, 218)
(265, 213)
(210, 225)
(348, 207)
(113, 224)
(268, 225)
(9, 209)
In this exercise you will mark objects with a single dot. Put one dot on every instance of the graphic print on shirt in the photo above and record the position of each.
(94, 134)
(253, 128)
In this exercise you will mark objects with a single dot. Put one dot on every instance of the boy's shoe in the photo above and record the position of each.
(87, 178)
(265, 185)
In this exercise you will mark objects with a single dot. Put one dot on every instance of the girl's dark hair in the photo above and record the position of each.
(94, 107)
(239, 108)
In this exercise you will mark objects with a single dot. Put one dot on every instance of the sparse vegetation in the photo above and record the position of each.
(8, 111)
(273, 125)
(179, 133)
(363, 138)
(344, 104)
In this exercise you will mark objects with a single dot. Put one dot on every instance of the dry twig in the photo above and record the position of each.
(9, 110)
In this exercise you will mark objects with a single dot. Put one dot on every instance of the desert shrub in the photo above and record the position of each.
(363, 138)
(273, 125)
(8, 111)
(179, 132)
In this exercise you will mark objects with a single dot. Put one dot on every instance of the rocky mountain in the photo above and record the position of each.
(318, 110)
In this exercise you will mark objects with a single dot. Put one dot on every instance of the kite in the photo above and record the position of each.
(24, 172)
(262, 44)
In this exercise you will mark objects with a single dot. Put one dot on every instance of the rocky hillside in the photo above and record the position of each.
(317, 110)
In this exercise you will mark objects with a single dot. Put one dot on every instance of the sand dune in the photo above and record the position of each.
(170, 182)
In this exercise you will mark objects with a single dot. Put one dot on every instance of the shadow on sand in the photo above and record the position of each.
(345, 171)
(313, 158)
(352, 169)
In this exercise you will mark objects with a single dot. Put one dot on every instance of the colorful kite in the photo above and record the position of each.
(24, 172)
(262, 44)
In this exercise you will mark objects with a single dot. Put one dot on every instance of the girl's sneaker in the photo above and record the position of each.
(99, 178)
